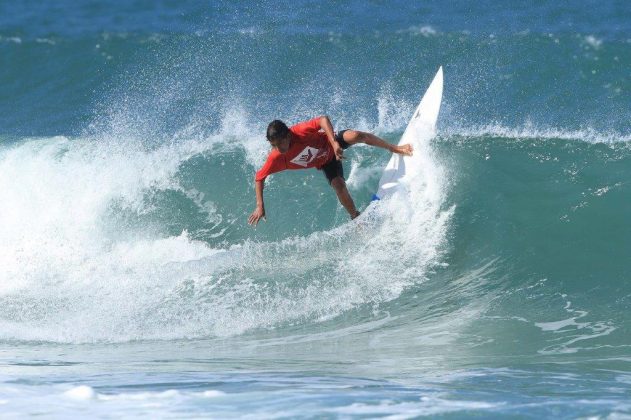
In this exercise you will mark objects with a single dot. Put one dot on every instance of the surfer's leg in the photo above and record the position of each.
(334, 172)
(339, 185)
(354, 136)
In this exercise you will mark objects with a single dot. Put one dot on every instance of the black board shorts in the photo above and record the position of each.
(334, 167)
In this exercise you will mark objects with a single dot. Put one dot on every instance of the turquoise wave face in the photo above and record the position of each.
(546, 218)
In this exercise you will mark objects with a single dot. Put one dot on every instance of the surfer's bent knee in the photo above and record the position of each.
(354, 136)
(338, 183)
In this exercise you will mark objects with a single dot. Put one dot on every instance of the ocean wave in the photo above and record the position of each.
(107, 219)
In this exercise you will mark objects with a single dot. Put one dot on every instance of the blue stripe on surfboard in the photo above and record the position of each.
(375, 197)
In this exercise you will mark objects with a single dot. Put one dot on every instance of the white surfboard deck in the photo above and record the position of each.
(420, 129)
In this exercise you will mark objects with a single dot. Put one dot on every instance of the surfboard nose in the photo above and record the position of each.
(422, 126)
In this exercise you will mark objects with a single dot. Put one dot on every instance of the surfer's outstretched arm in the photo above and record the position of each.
(259, 211)
(354, 136)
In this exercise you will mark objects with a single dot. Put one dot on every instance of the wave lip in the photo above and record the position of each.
(530, 131)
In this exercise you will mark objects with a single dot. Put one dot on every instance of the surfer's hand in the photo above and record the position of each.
(339, 152)
(257, 214)
(404, 149)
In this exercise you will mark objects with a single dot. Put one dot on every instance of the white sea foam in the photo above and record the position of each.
(425, 406)
(13, 39)
(577, 332)
(55, 248)
(81, 392)
(593, 42)
(423, 30)
(236, 126)
(45, 41)
(159, 395)
(359, 176)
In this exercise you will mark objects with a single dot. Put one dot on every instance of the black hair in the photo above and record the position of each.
(277, 130)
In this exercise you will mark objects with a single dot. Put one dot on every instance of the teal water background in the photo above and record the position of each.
(131, 284)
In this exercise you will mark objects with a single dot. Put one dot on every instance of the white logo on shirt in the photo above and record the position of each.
(305, 157)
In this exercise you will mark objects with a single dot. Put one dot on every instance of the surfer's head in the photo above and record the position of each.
(278, 135)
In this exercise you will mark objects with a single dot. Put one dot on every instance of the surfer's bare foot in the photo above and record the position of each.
(404, 149)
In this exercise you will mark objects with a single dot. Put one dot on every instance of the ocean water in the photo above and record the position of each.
(131, 285)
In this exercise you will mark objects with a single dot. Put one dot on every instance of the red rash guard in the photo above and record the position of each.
(309, 148)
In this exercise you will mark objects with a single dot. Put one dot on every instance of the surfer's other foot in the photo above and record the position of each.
(404, 149)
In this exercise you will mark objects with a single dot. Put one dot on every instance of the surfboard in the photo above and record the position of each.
(420, 129)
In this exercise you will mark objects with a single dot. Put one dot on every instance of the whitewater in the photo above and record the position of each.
(131, 284)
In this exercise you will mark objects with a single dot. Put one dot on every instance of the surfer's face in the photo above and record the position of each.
(281, 144)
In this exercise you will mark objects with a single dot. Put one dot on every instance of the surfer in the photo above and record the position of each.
(314, 144)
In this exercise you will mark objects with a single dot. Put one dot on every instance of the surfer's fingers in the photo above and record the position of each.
(255, 219)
